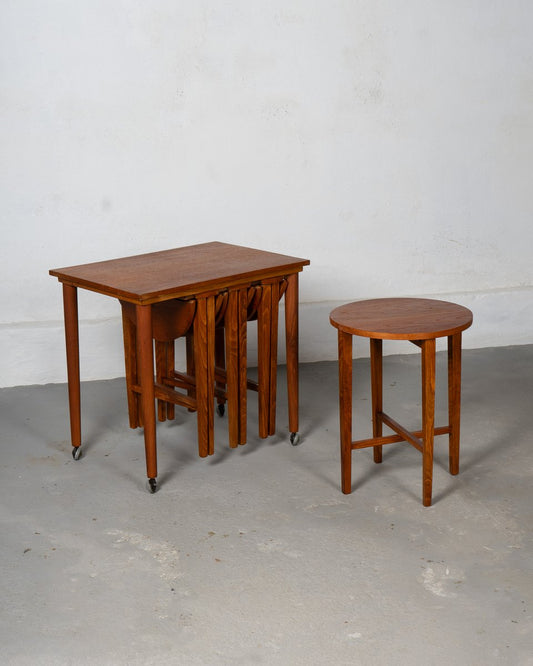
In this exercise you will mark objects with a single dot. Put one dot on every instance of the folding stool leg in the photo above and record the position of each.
(164, 355)
(171, 366)
(428, 417)
(220, 363)
(454, 399)
(264, 318)
(243, 364)
(160, 370)
(189, 355)
(376, 372)
(235, 327)
(204, 363)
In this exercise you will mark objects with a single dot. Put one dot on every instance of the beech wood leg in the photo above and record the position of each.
(291, 342)
(428, 417)
(130, 361)
(204, 362)
(145, 356)
(70, 309)
(264, 327)
(345, 409)
(454, 399)
(376, 372)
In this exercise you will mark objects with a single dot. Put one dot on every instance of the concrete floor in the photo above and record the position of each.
(254, 556)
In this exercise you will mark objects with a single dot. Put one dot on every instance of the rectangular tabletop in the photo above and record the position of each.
(157, 276)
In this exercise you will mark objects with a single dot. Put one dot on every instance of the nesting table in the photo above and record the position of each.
(199, 271)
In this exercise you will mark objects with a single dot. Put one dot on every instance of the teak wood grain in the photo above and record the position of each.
(401, 318)
(185, 271)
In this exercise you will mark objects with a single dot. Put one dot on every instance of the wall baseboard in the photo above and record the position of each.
(34, 353)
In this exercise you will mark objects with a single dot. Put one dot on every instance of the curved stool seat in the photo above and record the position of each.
(170, 320)
(420, 321)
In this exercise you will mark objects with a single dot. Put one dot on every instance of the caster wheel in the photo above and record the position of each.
(76, 452)
(152, 485)
(295, 438)
(221, 409)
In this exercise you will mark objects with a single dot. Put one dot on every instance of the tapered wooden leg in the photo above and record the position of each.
(146, 379)
(264, 319)
(291, 341)
(70, 308)
(274, 310)
(130, 361)
(428, 417)
(345, 409)
(454, 399)
(376, 372)
(204, 362)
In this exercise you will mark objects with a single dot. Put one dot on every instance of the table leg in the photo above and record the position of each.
(376, 372)
(129, 333)
(145, 355)
(345, 409)
(428, 417)
(273, 371)
(204, 363)
(291, 342)
(454, 399)
(70, 308)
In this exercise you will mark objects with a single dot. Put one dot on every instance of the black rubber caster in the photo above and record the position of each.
(152, 485)
(221, 409)
(76, 452)
(295, 438)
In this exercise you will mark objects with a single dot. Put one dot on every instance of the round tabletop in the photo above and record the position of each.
(401, 318)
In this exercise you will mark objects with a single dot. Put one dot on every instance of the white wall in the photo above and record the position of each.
(389, 142)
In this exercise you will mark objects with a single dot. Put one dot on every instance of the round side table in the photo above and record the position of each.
(420, 321)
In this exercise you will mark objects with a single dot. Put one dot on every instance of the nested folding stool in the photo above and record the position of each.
(174, 319)
(258, 301)
(262, 305)
(420, 321)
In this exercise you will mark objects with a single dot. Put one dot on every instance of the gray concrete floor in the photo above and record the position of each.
(254, 556)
